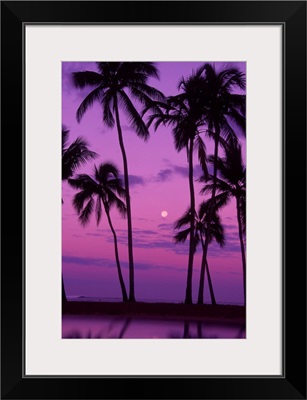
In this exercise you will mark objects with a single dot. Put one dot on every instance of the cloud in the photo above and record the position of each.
(146, 232)
(164, 175)
(183, 171)
(147, 239)
(231, 247)
(103, 131)
(88, 261)
(150, 239)
(166, 227)
(127, 128)
(172, 170)
(95, 234)
(108, 263)
(134, 180)
(230, 226)
(67, 69)
(152, 244)
(142, 219)
(233, 236)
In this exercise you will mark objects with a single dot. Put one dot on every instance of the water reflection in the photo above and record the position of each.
(97, 327)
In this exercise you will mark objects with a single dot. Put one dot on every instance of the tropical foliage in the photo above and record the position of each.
(185, 113)
(101, 192)
(200, 226)
(73, 156)
(224, 110)
(208, 110)
(231, 183)
(117, 86)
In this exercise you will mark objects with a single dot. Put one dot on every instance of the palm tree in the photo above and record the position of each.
(113, 87)
(185, 113)
(224, 109)
(73, 156)
(231, 183)
(103, 190)
(216, 232)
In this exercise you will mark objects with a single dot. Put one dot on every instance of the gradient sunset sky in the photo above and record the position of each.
(158, 182)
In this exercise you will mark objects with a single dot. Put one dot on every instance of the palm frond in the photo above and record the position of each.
(202, 154)
(83, 182)
(98, 210)
(221, 186)
(107, 103)
(114, 201)
(121, 208)
(117, 186)
(74, 156)
(238, 119)
(227, 132)
(182, 133)
(145, 93)
(182, 236)
(94, 95)
(147, 69)
(216, 227)
(105, 187)
(106, 171)
(238, 102)
(185, 219)
(84, 216)
(217, 231)
(155, 107)
(243, 212)
(86, 78)
(65, 136)
(107, 69)
(133, 116)
(210, 75)
(79, 199)
(231, 79)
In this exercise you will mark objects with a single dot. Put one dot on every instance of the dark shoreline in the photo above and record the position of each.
(198, 312)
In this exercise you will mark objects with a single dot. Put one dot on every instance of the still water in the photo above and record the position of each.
(94, 327)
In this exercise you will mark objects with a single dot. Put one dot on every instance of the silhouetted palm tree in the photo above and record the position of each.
(185, 113)
(73, 156)
(102, 191)
(224, 109)
(231, 183)
(216, 232)
(114, 85)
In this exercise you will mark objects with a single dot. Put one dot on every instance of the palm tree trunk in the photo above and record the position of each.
(213, 301)
(186, 330)
(242, 246)
(64, 298)
(212, 204)
(128, 204)
(204, 268)
(199, 330)
(119, 271)
(124, 328)
(188, 295)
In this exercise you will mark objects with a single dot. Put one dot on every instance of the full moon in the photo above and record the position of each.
(164, 214)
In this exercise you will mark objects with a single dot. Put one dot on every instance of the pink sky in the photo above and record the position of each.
(158, 181)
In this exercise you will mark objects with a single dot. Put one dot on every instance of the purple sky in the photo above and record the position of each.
(158, 182)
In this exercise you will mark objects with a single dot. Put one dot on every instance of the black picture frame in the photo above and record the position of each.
(292, 16)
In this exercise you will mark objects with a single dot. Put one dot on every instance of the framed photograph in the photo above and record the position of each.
(150, 247)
